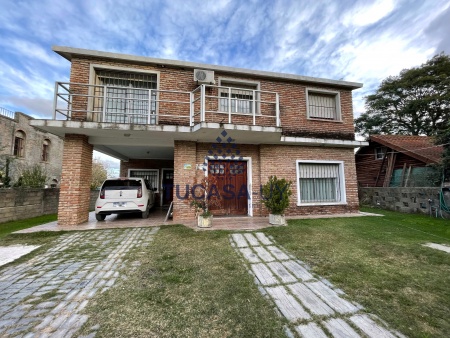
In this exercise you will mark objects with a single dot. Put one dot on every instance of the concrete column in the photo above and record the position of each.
(75, 184)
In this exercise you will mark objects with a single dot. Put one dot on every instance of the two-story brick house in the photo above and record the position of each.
(175, 122)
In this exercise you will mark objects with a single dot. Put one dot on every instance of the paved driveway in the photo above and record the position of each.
(44, 296)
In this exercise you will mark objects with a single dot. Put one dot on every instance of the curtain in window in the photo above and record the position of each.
(319, 183)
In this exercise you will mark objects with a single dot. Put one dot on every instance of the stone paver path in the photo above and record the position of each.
(44, 296)
(312, 305)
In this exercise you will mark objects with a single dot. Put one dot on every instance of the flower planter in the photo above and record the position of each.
(277, 219)
(205, 222)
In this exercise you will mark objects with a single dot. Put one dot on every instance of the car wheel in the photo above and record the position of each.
(100, 217)
(146, 212)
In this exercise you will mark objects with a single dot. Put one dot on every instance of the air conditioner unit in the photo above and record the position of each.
(204, 76)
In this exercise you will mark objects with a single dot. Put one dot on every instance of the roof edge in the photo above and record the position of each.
(410, 153)
(68, 52)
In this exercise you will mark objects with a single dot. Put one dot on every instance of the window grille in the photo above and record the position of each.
(322, 106)
(152, 175)
(319, 183)
(241, 97)
(127, 96)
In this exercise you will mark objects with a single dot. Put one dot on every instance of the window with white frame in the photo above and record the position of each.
(320, 182)
(152, 175)
(238, 95)
(323, 104)
(128, 97)
(380, 152)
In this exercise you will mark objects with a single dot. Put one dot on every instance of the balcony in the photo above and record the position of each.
(207, 103)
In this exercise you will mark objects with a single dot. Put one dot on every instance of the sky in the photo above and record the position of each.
(358, 41)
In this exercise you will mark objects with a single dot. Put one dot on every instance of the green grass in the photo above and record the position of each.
(9, 227)
(380, 262)
(189, 284)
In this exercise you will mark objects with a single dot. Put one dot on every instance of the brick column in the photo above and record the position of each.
(75, 184)
(184, 153)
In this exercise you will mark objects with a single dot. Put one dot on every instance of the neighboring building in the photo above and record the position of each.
(397, 161)
(26, 146)
(174, 121)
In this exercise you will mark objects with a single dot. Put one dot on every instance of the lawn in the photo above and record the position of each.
(189, 284)
(380, 262)
(9, 227)
(192, 284)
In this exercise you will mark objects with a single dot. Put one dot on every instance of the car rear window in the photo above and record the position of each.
(121, 184)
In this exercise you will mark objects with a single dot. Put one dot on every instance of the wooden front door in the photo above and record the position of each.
(231, 185)
(167, 187)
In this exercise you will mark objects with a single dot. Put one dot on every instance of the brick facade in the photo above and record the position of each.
(293, 111)
(266, 160)
(74, 198)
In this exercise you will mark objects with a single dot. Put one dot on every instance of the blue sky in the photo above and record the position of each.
(362, 41)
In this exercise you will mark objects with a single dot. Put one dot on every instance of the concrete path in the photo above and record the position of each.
(312, 305)
(44, 296)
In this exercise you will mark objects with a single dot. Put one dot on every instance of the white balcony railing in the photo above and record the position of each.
(207, 103)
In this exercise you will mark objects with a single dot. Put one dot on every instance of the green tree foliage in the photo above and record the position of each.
(275, 195)
(33, 176)
(99, 173)
(443, 137)
(416, 102)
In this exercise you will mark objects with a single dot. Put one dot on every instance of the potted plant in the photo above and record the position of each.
(275, 196)
(202, 200)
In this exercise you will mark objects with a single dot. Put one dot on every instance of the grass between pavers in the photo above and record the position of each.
(380, 262)
(188, 284)
(9, 227)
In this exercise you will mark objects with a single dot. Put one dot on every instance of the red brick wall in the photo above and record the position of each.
(184, 153)
(292, 100)
(76, 175)
(281, 161)
(268, 160)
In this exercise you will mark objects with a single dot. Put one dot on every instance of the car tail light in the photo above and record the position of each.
(102, 194)
(139, 192)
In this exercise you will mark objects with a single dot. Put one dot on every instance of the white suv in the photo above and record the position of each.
(124, 195)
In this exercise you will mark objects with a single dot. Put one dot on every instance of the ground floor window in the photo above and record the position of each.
(152, 175)
(320, 182)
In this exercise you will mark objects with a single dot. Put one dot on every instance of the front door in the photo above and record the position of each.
(167, 186)
(232, 186)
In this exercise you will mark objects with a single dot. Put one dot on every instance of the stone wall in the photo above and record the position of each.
(16, 204)
(33, 147)
(408, 200)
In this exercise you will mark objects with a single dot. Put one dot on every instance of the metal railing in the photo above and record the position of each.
(206, 103)
(7, 113)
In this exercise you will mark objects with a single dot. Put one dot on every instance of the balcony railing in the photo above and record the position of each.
(207, 103)
(7, 113)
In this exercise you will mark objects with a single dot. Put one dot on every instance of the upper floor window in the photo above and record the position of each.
(380, 152)
(323, 104)
(320, 182)
(45, 150)
(127, 98)
(239, 96)
(19, 143)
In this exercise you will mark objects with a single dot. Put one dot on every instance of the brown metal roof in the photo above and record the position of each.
(419, 147)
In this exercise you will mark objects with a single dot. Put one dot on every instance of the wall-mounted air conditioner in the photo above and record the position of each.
(202, 76)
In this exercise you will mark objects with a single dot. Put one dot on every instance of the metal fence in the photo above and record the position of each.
(7, 113)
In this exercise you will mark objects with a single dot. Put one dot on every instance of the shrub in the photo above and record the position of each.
(275, 195)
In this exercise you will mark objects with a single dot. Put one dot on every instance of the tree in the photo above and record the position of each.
(416, 102)
(443, 137)
(99, 173)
